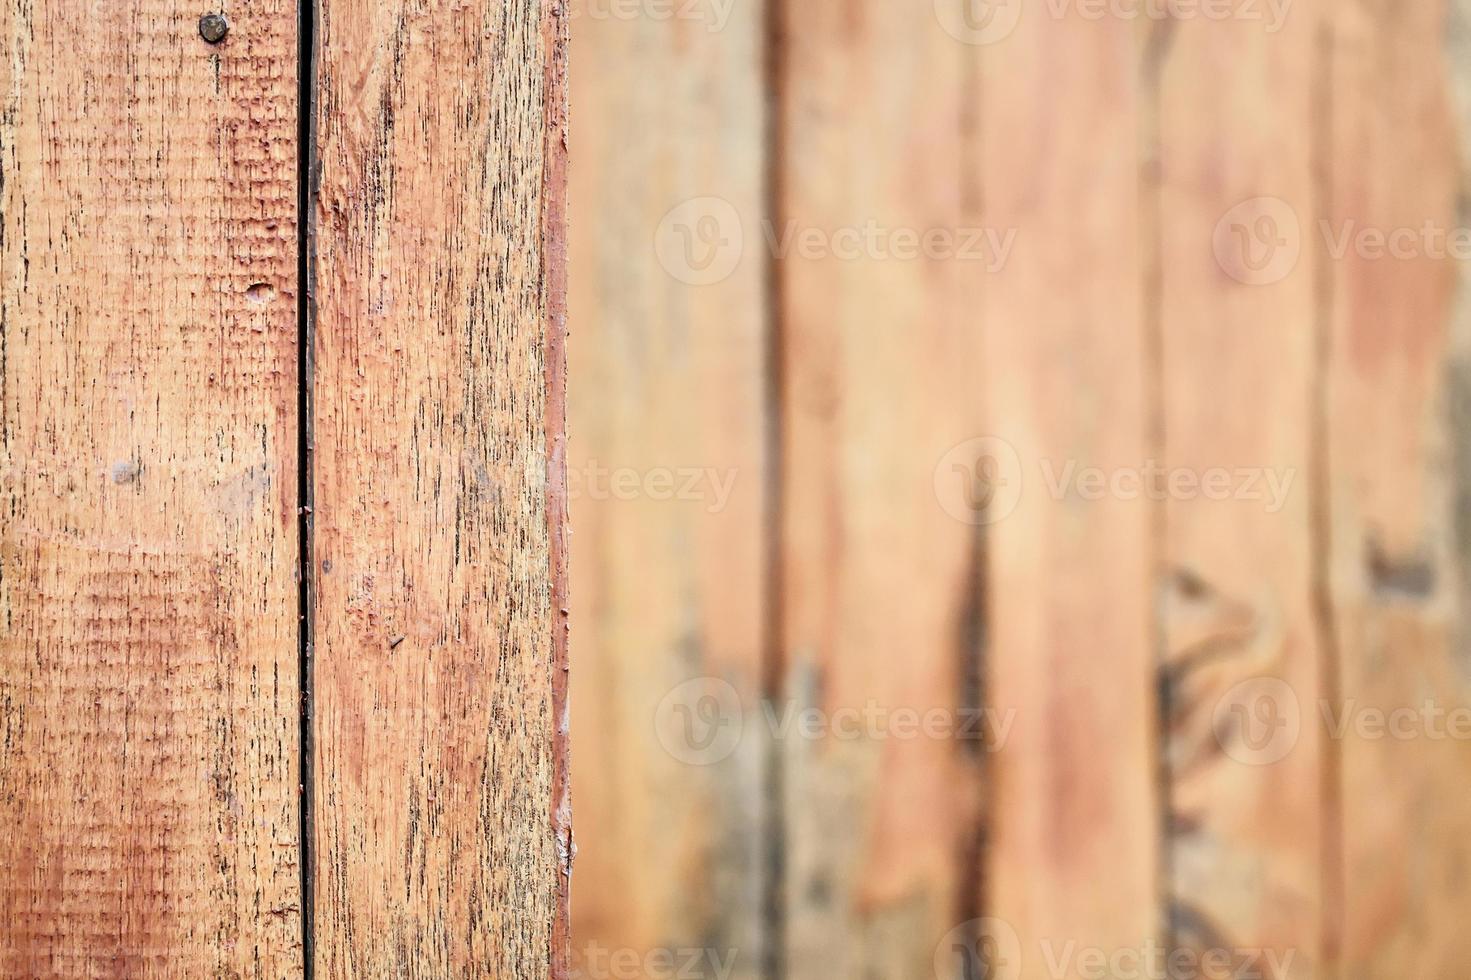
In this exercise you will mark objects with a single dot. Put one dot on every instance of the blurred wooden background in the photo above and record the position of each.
(1176, 295)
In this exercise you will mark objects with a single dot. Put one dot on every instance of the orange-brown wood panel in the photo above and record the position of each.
(668, 480)
(1073, 863)
(1235, 294)
(880, 595)
(148, 485)
(438, 736)
(1398, 472)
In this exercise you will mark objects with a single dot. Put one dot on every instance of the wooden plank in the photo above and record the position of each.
(1066, 375)
(148, 430)
(668, 480)
(438, 732)
(1397, 548)
(879, 583)
(1243, 647)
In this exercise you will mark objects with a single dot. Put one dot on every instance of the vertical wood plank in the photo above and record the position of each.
(878, 383)
(437, 729)
(1406, 832)
(1243, 647)
(668, 477)
(148, 482)
(1065, 377)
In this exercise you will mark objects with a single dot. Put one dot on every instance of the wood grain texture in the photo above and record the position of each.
(1239, 378)
(1065, 372)
(1398, 476)
(879, 586)
(148, 480)
(668, 478)
(437, 730)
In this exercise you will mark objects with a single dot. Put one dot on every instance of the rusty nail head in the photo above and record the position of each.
(213, 28)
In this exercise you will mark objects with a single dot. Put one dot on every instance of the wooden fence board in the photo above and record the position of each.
(437, 728)
(879, 583)
(148, 482)
(668, 479)
(1238, 316)
(1394, 465)
(1073, 858)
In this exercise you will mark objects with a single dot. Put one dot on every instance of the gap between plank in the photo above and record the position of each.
(773, 667)
(305, 327)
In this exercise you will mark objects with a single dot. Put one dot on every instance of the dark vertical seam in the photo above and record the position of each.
(306, 337)
(1151, 190)
(773, 665)
(1329, 657)
(972, 900)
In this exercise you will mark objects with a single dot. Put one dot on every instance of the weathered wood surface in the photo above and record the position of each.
(148, 484)
(1243, 644)
(1066, 376)
(879, 584)
(1397, 432)
(437, 598)
(668, 481)
(150, 754)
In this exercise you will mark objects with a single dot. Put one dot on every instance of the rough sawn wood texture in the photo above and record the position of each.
(148, 482)
(151, 373)
(439, 698)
